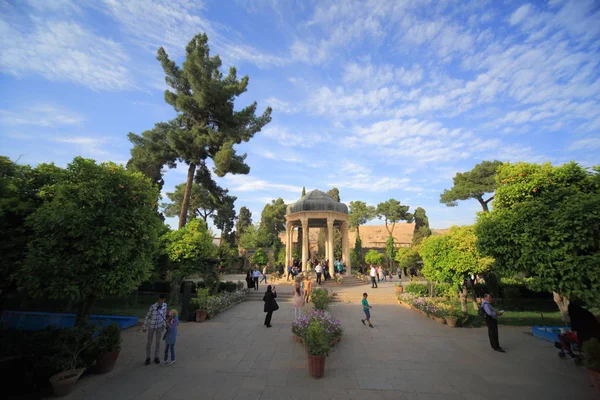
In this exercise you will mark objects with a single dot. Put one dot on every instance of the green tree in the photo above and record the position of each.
(421, 226)
(260, 258)
(303, 191)
(95, 234)
(407, 257)
(151, 152)
(451, 257)
(473, 184)
(191, 251)
(357, 253)
(207, 125)
(334, 193)
(390, 251)
(244, 220)
(374, 257)
(20, 186)
(360, 214)
(391, 212)
(545, 224)
(273, 217)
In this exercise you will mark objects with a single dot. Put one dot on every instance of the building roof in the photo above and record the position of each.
(316, 200)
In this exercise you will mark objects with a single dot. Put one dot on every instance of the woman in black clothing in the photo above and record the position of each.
(249, 280)
(270, 304)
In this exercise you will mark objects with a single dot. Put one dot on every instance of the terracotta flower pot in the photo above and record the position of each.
(316, 366)
(451, 322)
(201, 315)
(595, 377)
(106, 362)
(64, 382)
(439, 320)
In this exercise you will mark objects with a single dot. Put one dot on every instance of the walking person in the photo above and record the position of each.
(307, 289)
(366, 310)
(373, 275)
(298, 301)
(491, 320)
(270, 304)
(255, 276)
(264, 275)
(154, 324)
(249, 279)
(319, 271)
(171, 336)
(289, 272)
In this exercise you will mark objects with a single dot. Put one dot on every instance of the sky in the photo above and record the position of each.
(381, 99)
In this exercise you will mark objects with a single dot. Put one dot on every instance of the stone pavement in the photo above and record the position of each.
(406, 356)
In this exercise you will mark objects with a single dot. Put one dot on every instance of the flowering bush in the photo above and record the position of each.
(429, 306)
(222, 301)
(320, 298)
(331, 326)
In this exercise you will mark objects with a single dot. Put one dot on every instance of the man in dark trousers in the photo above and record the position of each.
(491, 320)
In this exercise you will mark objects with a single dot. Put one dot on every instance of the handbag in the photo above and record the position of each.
(275, 305)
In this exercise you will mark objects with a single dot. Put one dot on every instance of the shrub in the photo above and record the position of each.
(333, 328)
(109, 339)
(320, 298)
(445, 290)
(316, 341)
(221, 302)
(419, 289)
(591, 349)
(227, 287)
(511, 294)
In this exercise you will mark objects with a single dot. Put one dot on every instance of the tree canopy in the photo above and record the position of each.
(473, 184)
(408, 257)
(334, 193)
(360, 214)
(421, 226)
(244, 220)
(207, 125)
(374, 257)
(392, 212)
(260, 258)
(272, 217)
(95, 234)
(546, 224)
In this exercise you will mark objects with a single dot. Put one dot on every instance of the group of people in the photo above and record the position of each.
(157, 320)
(254, 277)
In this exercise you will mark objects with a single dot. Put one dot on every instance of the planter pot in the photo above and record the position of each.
(106, 362)
(595, 377)
(201, 315)
(451, 322)
(64, 382)
(440, 320)
(316, 366)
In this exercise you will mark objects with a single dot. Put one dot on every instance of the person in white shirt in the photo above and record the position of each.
(319, 271)
(255, 276)
(154, 323)
(264, 274)
(373, 277)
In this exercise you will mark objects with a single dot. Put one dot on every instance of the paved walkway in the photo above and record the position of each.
(406, 356)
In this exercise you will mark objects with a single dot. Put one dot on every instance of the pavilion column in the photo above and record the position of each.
(326, 245)
(289, 229)
(304, 241)
(346, 247)
(307, 241)
(330, 244)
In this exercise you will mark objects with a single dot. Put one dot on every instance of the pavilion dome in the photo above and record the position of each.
(316, 200)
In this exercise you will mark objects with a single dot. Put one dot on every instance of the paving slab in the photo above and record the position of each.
(406, 356)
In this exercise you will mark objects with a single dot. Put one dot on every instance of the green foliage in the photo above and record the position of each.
(303, 191)
(316, 340)
(272, 218)
(254, 237)
(450, 257)
(390, 251)
(281, 257)
(591, 349)
(191, 251)
(419, 289)
(260, 257)
(334, 193)
(392, 212)
(109, 339)
(95, 234)
(360, 214)
(473, 185)
(244, 220)
(200, 302)
(226, 254)
(546, 225)
(320, 298)
(374, 257)
(421, 226)
(357, 255)
(203, 203)
(407, 257)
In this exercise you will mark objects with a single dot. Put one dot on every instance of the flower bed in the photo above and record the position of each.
(332, 326)
(223, 301)
(436, 309)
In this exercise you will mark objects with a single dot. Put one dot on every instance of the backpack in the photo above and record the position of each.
(481, 312)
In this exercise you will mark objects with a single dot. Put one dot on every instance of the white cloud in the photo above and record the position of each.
(375, 76)
(61, 51)
(287, 138)
(246, 183)
(371, 183)
(40, 115)
(279, 105)
(520, 14)
(585, 144)
(85, 144)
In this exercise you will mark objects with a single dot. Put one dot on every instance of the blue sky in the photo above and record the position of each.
(382, 99)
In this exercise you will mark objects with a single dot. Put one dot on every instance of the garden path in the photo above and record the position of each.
(406, 356)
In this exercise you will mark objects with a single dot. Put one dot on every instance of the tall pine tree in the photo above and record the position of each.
(421, 226)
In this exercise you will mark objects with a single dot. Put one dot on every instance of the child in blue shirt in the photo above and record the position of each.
(171, 336)
(366, 308)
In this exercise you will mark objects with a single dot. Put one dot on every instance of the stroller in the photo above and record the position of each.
(570, 338)
(584, 326)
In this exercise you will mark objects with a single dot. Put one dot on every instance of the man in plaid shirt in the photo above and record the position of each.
(154, 323)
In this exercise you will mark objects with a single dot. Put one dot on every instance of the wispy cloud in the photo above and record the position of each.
(247, 183)
(288, 138)
(41, 115)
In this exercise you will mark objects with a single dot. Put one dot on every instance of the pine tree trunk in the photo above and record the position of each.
(563, 305)
(185, 204)
(84, 310)
(463, 300)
